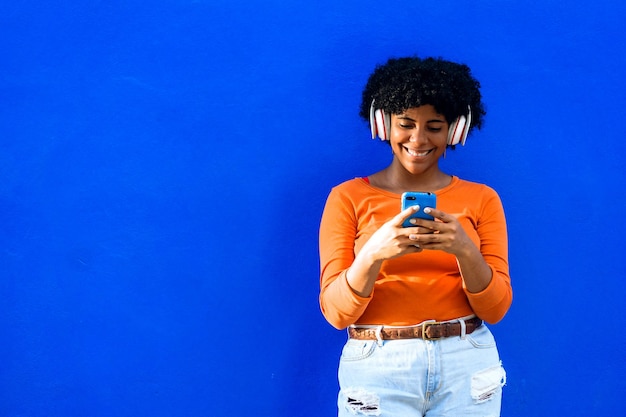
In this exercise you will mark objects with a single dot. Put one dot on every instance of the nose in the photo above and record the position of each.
(418, 135)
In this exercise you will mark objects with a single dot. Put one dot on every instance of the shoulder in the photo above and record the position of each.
(474, 194)
(344, 198)
(353, 187)
(475, 188)
(350, 194)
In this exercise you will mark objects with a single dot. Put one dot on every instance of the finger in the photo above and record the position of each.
(428, 246)
(422, 239)
(421, 230)
(403, 215)
(430, 239)
(426, 226)
(438, 214)
(414, 246)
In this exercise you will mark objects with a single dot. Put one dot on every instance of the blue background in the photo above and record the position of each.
(164, 165)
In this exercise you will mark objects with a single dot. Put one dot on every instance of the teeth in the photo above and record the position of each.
(415, 153)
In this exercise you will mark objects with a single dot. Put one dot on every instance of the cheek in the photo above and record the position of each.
(396, 146)
(396, 136)
(441, 138)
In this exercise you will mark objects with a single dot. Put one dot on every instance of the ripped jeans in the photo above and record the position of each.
(414, 377)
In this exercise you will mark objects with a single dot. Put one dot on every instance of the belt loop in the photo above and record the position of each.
(379, 335)
(463, 328)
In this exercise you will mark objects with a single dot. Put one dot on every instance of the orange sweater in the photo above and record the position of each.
(415, 287)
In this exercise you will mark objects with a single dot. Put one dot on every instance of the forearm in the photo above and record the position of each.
(340, 304)
(362, 274)
(475, 272)
(488, 288)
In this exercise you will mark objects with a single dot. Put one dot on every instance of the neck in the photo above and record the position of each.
(398, 180)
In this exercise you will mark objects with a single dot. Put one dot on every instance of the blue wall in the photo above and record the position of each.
(163, 167)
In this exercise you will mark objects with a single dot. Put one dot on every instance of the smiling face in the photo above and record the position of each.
(418, 139)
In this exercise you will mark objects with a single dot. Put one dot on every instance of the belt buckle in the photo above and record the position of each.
(428, 323)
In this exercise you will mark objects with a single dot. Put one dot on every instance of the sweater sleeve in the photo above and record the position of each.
(493, 302)
(340, 305)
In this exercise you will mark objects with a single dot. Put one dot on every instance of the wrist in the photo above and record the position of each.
(368, 256)
(468, 251)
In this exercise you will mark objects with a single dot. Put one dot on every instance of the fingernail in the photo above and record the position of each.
(427, 210)
(413, 221)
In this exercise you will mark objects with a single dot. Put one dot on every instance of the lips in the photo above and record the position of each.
(417, 153)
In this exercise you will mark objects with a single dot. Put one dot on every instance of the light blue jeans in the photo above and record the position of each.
(455, 376)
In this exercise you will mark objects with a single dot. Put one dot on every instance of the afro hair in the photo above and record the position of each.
(404, 83)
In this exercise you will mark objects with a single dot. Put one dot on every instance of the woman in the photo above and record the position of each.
(414, 298)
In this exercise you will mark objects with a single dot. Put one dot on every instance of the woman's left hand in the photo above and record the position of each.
(446, 234)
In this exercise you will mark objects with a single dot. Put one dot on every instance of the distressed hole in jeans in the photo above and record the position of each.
(360, 401)
(487, 383)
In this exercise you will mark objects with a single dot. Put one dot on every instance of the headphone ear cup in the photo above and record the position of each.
(453, 132)
(373, 120)
(468, 124)
(383, 124)
(458, 130)
(380, 123)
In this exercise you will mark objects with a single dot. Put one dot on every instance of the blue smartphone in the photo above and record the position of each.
(423, 199)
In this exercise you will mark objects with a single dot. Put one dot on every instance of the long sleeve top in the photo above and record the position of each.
(416, 287)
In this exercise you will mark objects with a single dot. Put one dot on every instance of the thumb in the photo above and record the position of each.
(399, 218)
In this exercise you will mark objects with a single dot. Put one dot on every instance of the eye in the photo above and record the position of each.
(435, 126)
(406, 124)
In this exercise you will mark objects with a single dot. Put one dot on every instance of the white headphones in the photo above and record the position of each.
(380, 123)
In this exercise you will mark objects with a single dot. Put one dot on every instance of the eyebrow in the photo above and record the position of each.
(405, 117)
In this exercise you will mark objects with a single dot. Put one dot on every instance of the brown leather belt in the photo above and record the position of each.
(429, 330)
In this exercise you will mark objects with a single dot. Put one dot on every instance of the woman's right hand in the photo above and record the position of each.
(391, 240)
